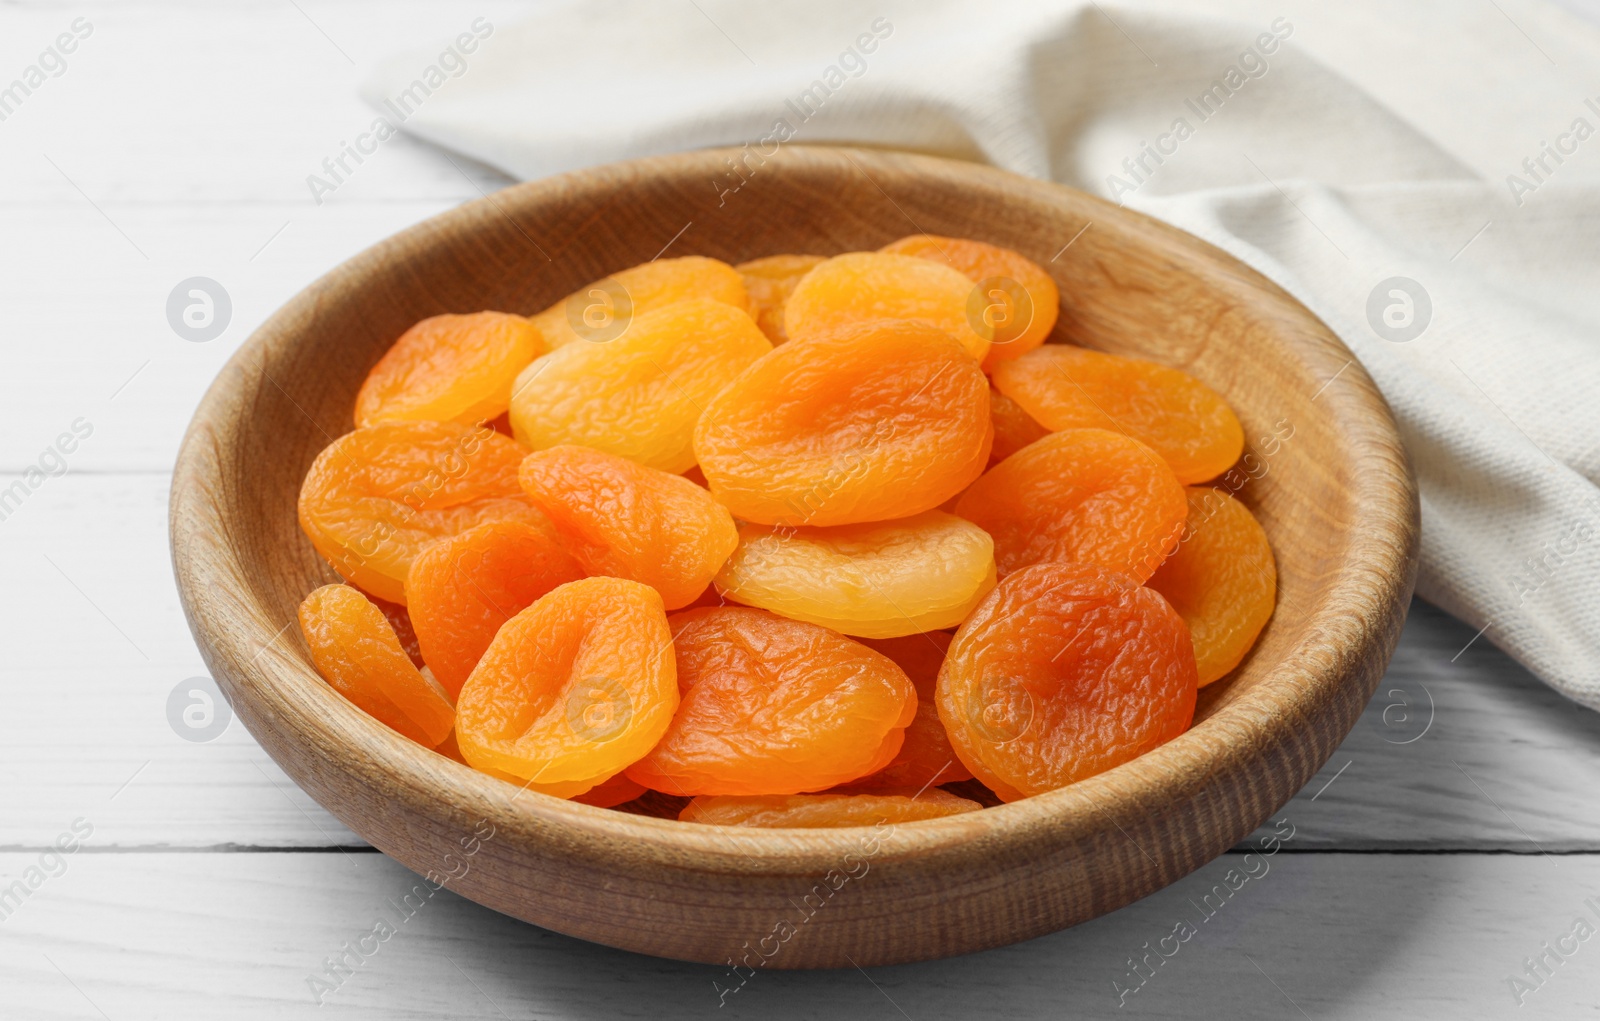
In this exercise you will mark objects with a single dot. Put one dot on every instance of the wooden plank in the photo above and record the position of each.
(106, 644)
(208, 103)
(1460, 747)
(87, 314)
(143, 935)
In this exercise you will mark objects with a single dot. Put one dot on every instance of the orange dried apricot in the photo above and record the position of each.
(1014, 295)
(376, 496)
(1176, 415)
(618, 790)
(1014, 428)
(356, 652)
(874, 580)
(769, 282)
(926, 757)
(1065, 671)
(572, 689)
(1221, 579)
(638, 395)
(400, 620)
(623, 519)
(1079, 496)
(449, 368)
(795, 811)
(774, 706)
(864, 286)
(606, 309)
(884, 422)
(462, 588)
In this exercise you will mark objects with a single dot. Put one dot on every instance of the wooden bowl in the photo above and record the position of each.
(1324, 472)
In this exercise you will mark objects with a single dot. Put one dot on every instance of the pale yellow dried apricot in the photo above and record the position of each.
(639, 395)
(605, 309)
(1013, 295)
(769, 282)
(848, 290)
(877, 580)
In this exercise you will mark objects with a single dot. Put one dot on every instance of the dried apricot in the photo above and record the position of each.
(356, 652)
(572, 689)
(769, 282)
(376, 496)
(876, 580)
(884, 422)
(926, 757)
(622, 519)
(1176, 415)
(1079, 496)
(1063, 672)
(1014, 295)
(610, 793)
(1221, 580)
(795, 811)
(449, 368)
(774, 706)
(462, 588)
(1013, 427)
(864, 286)
(638, 395)
(400, 620)
(606, 309)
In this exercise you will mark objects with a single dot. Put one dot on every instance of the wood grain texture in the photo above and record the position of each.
(1338, 502)
(1343, 937)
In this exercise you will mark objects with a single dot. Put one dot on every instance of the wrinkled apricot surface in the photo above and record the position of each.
(449, 368)
(1064, 672)
(1015, 297)
(606, 309)
(376, 496)
(884, 422)
(774, 706)
(610, 793)
(357, 653)
(462, 588)
(639, 395)
(926, 757)
(1221, 579)
(1176, 415)
(1014, 428)
(874, 580)
(572, 689)
(848, 290)
(797, 811)
(769, 282)
(1083, 496)
(622, 519)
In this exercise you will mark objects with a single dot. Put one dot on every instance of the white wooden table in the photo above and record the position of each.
(1454, 835)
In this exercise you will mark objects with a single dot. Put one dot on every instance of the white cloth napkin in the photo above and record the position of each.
(1455, 146)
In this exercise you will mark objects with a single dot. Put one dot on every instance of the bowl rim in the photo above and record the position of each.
(1300, 688)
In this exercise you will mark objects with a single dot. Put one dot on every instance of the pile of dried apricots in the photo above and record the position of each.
(810, 541)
